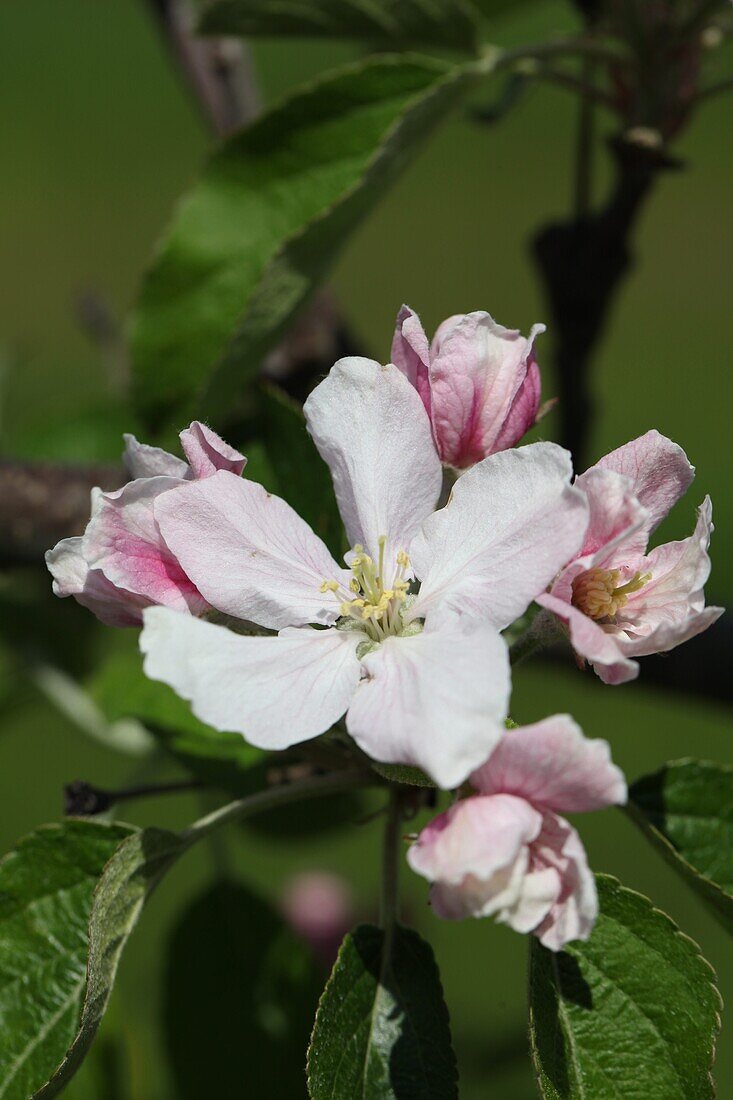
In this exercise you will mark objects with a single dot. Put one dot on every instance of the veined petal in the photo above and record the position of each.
(592, 642)
(123, 540)
(142, 460)
(411, 353)
(370, 426)
(436, 700)
(250, 553)
(73, 577)
(574, 913)
(511, 522)
(207, 452)
(275, 691)
(553, 766)
(670, 608)
(618, 525)
(659, 471)
(476, 837)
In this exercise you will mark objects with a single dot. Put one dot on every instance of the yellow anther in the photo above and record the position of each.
(403, 560)
(329, 586)
(598, 594)
(354, 585)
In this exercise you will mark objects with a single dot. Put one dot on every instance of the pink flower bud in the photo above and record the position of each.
(479, 382)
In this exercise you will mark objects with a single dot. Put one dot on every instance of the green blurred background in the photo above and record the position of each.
(98, 139)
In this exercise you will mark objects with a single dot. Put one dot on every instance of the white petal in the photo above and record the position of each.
(142, 460)
(276, 691)
(249, 552)
(372, 429)
(436, 700)
(511, 523)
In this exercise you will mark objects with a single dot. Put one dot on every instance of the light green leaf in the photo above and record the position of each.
(386, 23)
(686, 810)
(132, 872)
(268, 216)
(381, 1030)
(46, 888)
(632, 1012)
(224, 760)
(243, 988)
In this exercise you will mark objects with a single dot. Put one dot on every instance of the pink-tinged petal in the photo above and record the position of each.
(275, 691)
(249, 553)
(123, 540)
(370, 426)
(659, 471)
(510, 524)
(411, 354)
(670, 608)
(554, 767)
(89, 587)
(142, 460)
(476, 855)
(592, 642)
(436, 700)
(477, 371)
(574, 913)
(525, 409)
(207, 452)
(618, 525)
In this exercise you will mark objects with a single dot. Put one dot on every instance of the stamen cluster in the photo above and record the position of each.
(373, 605)
(598, 594)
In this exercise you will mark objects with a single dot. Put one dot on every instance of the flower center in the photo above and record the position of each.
(374, 602)
(598, 594)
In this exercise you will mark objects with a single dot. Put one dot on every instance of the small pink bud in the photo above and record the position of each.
(479, 382)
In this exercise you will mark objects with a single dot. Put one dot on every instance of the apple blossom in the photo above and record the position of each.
(479, 382)
(121, 564)
(617, 600)
(422, 675)
(506, 852)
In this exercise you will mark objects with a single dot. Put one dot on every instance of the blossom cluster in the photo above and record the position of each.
(247, 615)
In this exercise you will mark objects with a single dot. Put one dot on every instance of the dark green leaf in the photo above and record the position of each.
(382, 1031)
(269, 214)
(46, 888)
(403, 773)
(384, 23)
(303, 477)
(632, 1012)
(686, 810)
(128, 878)
(240, 993)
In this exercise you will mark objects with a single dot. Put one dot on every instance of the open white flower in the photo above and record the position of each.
(421, 674)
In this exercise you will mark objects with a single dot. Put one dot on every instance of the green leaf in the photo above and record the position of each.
(403, 773)
(303, 477)
(242, 989)
(270, 213)
(46, 888)
(384, 23)
(632, 1012)
(381, 1030)
(131, 873)
(224, 760)
(686, 810)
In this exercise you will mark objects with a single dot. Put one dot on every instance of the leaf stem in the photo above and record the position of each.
(311, 787)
